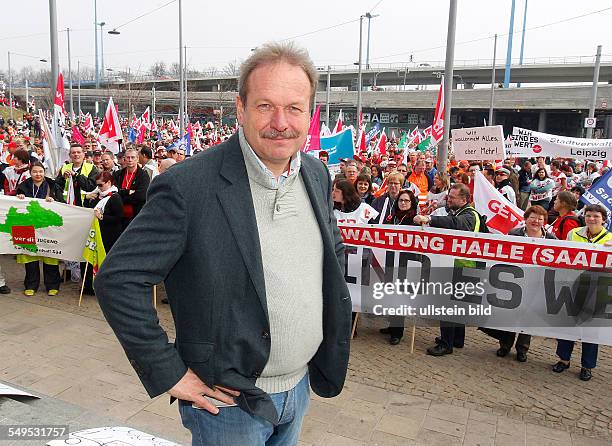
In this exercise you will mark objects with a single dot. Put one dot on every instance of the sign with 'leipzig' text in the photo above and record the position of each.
(529, 144)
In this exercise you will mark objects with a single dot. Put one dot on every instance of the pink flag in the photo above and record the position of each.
(76, 135)
(313, 140)
(437, 130)
(142, 132)
(382, 143)
(502, 216)
(110, 132)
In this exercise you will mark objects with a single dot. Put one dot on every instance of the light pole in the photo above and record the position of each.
(448, 84)
(509, 49)
(523, 38)
(79, 85)
(493, 81)
(328, 94)
(96, 39)
(359, 63)
(181, 87)
(70, 74)
(102, 47)
(369, 17)
(54, 50)
(589, 132)
(10, 82)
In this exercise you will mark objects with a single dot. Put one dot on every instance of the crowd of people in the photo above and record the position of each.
(399, 187)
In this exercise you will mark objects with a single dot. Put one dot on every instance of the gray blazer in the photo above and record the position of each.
(198, 234)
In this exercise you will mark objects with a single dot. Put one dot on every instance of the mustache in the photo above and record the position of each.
(275, 134)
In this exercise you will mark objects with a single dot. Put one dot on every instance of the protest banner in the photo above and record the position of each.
(528, 144)
(548, 288)
(338, 146)
(481, 143)
(48, 229)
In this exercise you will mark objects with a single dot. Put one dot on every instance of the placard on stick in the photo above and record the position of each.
(479, 143)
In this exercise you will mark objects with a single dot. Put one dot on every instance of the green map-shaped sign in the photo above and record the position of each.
(35, 216)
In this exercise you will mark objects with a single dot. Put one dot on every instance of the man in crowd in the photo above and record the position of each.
(324, 157)
(145, 158)
(421, 180)
(81, 173)
(351, 172)
(462, 217)
(132, 182)
(240, 342)
(108, 162)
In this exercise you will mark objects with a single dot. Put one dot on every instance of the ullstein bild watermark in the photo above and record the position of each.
(411, 289)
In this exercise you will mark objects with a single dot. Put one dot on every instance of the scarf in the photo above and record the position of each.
(104, 197)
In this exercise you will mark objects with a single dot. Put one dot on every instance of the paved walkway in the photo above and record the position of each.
(70, 356)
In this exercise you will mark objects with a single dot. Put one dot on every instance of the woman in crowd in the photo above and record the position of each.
(594, 232)
(590, 174)
(108, 208)
(504, 186)
(402, 213)
(535, 219)
(436, 197)
(565, 205)
(348, 207)
(525, 178)
(377, 177)
(364, 188)
(43, 188)
(541, 189)
(16, 173)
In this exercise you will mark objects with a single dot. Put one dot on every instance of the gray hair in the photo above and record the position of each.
(273, 53)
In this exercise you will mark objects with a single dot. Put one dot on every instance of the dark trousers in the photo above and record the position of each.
(589, 352)
(88, 288)
(452, 334)
(506, 339)
(396, 326)
(51, 275)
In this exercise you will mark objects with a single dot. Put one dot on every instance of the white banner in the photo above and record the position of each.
(40, 228)
(479, 143)
(552, 288)
(528, 144)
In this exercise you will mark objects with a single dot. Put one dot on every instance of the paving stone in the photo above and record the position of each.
(478, 440)
(313, 430)
(161, 406)
(546, 432)
(330, 439)
(400, 426)
(450, 413)
(432, 438)
(444, 427)
(502, 439)
(481, 428)
(352, 427)
(384, 439)
(483, 417)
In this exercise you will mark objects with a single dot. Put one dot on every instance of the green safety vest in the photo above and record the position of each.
(601, 239)
(86, 169)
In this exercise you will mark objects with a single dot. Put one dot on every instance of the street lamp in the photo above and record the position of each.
(114, 32)
(102, 46)
(369, 17)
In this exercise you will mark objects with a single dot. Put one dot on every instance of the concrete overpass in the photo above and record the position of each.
(559, 110)
(399, 77)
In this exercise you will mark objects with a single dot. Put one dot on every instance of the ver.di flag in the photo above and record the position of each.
(601, 193)
(502, 216)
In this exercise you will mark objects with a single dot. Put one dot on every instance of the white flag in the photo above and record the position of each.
(502, 216)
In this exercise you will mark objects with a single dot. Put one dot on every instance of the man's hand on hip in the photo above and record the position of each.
(191, 388)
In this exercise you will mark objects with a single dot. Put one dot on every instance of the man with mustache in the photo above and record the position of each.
(258, 320)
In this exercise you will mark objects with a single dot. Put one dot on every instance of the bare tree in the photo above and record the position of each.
(158, 69)
(231, 69)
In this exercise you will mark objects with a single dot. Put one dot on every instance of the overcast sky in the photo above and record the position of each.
(224, 31)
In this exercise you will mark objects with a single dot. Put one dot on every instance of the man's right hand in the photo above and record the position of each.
(191, 388)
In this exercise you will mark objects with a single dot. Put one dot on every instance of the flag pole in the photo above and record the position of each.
(83, 284)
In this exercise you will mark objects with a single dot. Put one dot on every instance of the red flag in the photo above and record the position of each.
(142, 131)
(146, 118)
(110, 132)
(382, 143)
(360, 120)
(437, 129)
(76, 135)
(313, 140)
(339, 126)
(502, 216)
(59, 93)
(362, 147)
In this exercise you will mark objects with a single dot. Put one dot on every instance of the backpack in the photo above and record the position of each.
(579, 219)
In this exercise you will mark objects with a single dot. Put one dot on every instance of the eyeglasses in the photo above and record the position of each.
(405, 201)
